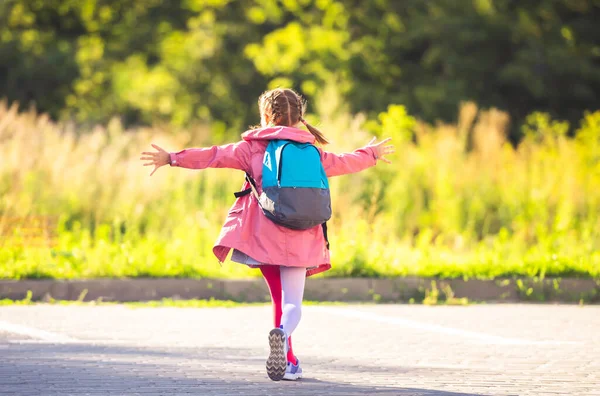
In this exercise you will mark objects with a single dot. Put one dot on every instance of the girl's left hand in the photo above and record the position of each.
(381, 150)
(158, 158)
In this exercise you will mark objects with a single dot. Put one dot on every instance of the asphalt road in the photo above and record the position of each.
(344, 350)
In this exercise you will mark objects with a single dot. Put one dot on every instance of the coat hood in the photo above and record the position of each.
(279, 132)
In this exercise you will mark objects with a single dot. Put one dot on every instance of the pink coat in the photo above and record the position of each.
(246, 228)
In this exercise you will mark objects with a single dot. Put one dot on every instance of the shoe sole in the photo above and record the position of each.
(277, 361)
(291, 377)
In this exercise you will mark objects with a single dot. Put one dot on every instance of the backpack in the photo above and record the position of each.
(295, 189)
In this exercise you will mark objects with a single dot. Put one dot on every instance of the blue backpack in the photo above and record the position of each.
(295, 190)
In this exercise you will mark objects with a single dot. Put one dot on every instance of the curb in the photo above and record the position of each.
(569, 290)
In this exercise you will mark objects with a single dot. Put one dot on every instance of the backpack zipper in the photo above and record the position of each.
(281, 165)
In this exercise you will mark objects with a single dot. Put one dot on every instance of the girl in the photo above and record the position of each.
(284, 256)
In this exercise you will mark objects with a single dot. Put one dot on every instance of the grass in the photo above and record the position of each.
(197, 303)
(432, 297)
(458, 201)
(162, 303)
(165, 302)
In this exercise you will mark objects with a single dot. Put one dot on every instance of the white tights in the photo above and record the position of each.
(292, 285)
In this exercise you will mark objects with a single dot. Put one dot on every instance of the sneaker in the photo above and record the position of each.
(293, 371)
(276, 363)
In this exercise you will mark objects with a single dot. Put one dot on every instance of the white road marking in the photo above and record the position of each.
(433, 328)
(34, 333)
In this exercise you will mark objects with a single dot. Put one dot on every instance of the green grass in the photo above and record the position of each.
(458, 201)
(165, 302)
(162, 303)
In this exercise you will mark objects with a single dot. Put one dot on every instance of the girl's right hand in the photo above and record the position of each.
(158, 158)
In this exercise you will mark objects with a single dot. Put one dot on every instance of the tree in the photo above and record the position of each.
(154, 61)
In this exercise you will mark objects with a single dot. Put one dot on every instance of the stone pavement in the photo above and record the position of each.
(344, 350)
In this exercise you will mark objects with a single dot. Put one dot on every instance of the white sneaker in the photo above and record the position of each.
(293, 372)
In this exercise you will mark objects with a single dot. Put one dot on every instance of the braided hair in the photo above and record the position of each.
(286, 107)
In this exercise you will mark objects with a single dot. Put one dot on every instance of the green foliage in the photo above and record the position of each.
(188, 61)
(162, 303)
(147, 61)
(458, 200)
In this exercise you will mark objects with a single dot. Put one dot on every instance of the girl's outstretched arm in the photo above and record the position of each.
(358, 160)
(233, 155)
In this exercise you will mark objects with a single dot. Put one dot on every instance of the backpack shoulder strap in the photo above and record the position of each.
(247, 191)
(324, 226)
(271, 148)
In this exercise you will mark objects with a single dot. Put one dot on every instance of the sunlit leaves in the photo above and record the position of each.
(219, 54)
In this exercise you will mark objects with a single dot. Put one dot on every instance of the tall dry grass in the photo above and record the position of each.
(458, 200)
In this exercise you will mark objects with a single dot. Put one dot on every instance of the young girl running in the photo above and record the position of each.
(284, 256)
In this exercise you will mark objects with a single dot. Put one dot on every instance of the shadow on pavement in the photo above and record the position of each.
(78, 369)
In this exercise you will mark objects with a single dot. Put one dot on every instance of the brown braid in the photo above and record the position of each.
(301, 108)
(286, 107)
(288, 110)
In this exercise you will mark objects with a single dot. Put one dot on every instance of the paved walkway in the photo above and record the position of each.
(345, 350)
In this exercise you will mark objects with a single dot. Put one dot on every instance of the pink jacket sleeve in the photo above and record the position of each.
(233, 155)
(342, 164)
